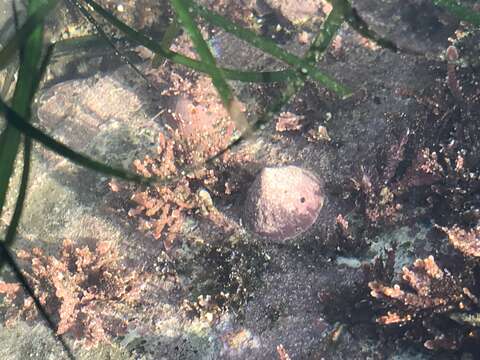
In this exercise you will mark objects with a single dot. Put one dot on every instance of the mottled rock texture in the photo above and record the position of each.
(205, 130)
(283, 202)
(298, 11)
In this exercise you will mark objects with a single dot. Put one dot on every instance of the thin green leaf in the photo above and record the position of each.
(462, 12)
(357, 23)
(27, 149)
(83, 46)
(258, 76)
(87, 44)
(28, 75)
(17, 213)
(30, 70)
(15, 16)
(22, 191)
(82, 160)
(316, 51)
(24, 31)
(171, 33)
(327, 32)
(6, 257)
(109, 42)
(303, 67)
(141, 39)
(42, 69)
(21, 125)
(183, 10)
(30, 59)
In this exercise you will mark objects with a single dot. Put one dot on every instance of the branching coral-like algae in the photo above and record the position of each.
(79, 288)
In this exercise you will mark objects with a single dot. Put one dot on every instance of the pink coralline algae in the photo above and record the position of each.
(203, 130)
(283, 202)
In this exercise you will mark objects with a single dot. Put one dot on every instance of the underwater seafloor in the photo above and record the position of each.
(378, 260)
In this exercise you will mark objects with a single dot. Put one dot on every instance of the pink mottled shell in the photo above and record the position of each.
(283, 202)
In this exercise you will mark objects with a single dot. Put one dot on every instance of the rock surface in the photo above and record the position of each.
(204, 130)
(283, 202)
(297, 11)
(415, 25)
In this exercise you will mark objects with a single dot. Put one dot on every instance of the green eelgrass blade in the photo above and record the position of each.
(357, 23)
(83, 45)
(290, 90)
(328, 30)
(82, 160)
(259, 77)
(316, 51)
(16, 121)
(43, 67)
(105, 37)
(30, 59)
(27, 149)
(462, 12)
(141, 39)
(86, 43)
(183, 10)
(24, 31)
(22, 191)
(171, 33)
(6, 257)
(29, 42)
(303, 67)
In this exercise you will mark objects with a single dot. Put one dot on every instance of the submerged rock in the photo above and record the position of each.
(283, 202)
(204, 128)
(298, 12)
